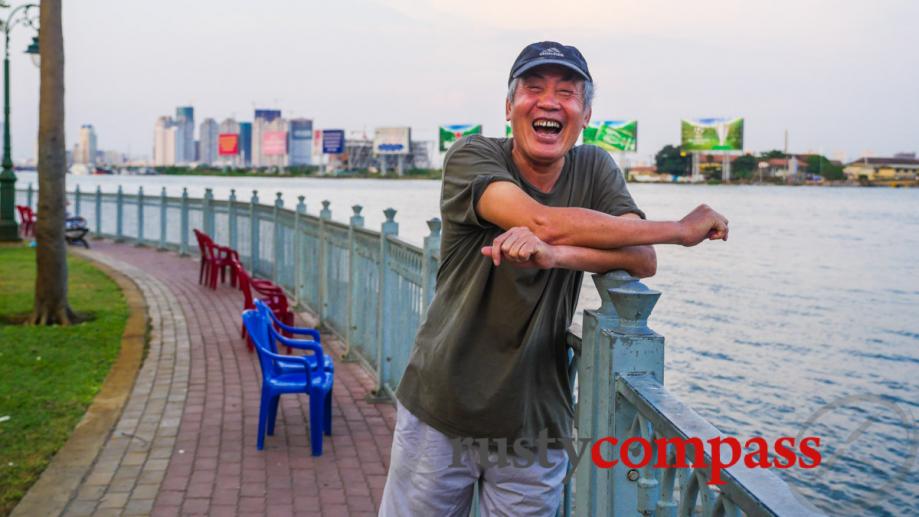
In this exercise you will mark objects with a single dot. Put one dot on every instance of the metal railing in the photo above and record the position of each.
(373, 290)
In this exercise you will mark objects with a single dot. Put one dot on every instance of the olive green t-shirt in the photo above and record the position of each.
(490, 359)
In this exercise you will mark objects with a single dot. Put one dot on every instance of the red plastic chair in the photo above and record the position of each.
(272, 295)
(215, 259)
(27, 220)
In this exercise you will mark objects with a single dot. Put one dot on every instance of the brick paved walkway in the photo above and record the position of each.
(186, 441)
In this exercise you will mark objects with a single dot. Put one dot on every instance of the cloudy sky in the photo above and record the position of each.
(842, 76)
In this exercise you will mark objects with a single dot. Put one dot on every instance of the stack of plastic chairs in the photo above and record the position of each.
(215, 260)
(281, 374)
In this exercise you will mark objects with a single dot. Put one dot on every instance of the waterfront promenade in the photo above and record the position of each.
(185, 443)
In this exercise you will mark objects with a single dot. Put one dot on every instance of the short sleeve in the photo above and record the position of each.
(612, 194)
(470, 166)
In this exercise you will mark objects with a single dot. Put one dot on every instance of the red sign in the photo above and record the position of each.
(228, 144)
(274, 143)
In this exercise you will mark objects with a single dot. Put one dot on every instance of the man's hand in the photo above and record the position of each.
(703, 223)
(522, 248)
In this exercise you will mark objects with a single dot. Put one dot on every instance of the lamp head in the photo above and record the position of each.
(33, 52)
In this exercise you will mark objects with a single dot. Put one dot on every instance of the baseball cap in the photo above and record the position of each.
(549, 53)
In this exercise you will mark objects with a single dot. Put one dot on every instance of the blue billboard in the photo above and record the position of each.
(333, 141)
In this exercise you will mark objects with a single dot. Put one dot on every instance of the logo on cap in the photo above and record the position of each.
(552, 51)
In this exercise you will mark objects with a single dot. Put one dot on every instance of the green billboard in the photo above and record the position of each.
(712, 134)
(450, 134)
(613, 135)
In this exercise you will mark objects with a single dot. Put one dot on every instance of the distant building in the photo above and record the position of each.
(264, 118)
(85, 151)
(185, 134)
(898, 168)
(164, 142)
(300, 141)
(207, 142)
(245, 143)
(229, 126)
(420, 155)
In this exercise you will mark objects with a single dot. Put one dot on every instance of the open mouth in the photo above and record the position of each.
(547, 126)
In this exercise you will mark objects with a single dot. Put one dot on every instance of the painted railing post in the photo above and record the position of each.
(384, 312)
(253, 231)
(140, 216)
(119, 215)
(357, 221)
(231, 220)
(207, 212)
(428, 270)
(299, 213)
(592, 493)
(277, 247)
(616, 341)
(98, 212)
(183, 227)
(76, 201)
(324, 215)
(29, 195)
(163, 225)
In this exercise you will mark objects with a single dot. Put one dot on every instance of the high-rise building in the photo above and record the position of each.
(300, 141)
(263, 117)
(229, 126)
(185, 134)
(245, 143)
(85, 151)
(207, 142)
(164, 142)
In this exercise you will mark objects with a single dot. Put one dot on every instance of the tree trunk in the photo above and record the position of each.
(51, 305)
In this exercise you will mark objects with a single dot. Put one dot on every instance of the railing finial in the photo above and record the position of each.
(278, 201)
(634, 302)
(390, 214)
(434, 225)
(607, 281)
(325, 213)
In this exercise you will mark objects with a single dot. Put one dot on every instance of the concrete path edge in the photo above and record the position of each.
(59, 482)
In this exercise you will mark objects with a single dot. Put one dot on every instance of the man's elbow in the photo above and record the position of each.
(541, 225)
(647, 264)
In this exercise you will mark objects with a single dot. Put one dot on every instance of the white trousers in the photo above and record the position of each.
(424, 480)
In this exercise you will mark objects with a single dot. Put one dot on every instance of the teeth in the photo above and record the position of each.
(547, 123)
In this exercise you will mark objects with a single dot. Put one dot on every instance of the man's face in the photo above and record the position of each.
(547, 114)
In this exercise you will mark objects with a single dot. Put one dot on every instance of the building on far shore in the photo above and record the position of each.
(901, 167)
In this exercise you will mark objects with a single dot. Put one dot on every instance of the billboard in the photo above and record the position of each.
(392, 140)
(274, 143)
(613, 135)
(228, 144)
(712, 134)
(333, 141)
(450, 134)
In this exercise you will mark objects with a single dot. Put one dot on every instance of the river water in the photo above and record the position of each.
(806, 322)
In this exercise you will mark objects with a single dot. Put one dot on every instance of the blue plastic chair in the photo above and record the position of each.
(276, 336)
(290, 374)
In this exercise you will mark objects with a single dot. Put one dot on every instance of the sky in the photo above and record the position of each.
(841, 76)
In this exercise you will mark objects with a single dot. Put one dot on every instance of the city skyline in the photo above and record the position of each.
(823, 71)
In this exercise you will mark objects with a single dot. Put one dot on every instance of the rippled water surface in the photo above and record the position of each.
(805, 321)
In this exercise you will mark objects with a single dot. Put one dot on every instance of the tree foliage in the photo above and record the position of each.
(671, 160)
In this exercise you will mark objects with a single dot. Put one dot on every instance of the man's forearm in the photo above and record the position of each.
(506, 206)
(639, 261)
(592, 229)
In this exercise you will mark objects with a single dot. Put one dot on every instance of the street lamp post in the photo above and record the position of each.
(27, 15)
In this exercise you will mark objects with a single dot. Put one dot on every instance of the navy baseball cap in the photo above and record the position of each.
(549, 53)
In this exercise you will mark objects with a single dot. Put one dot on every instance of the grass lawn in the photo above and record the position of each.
(49, 375)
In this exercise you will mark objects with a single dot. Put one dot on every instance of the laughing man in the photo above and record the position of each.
(523, 219)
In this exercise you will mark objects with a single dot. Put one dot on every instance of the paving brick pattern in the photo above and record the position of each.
(186, 443)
